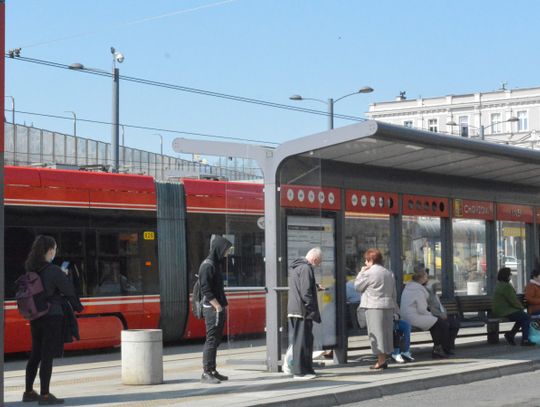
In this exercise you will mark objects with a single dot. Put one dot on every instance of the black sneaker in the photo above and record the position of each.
(438, 353)
(219, 376)
(30, 396)
(209, 378)
(49, 400)
(510, 339)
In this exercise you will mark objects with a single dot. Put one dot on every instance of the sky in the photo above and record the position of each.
(261, 49)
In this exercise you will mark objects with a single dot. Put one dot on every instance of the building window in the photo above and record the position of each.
(495, 123)
(432, 125)
(523, 123)
(407, 123)
(464, 126)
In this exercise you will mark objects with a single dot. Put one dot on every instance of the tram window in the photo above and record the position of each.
(17, 244)
(245, 266)
(108, 243)
(71, 244)
(128, 243)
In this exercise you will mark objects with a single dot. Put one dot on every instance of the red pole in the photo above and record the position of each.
(2, 99)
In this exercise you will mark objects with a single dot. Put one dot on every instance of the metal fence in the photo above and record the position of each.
(30, 146)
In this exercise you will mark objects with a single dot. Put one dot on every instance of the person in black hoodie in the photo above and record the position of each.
(48, 330)
(302, 310)
(214, 306)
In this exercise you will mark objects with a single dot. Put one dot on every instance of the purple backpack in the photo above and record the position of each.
(31, 297)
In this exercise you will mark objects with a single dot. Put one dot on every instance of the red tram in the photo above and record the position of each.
(134, 246)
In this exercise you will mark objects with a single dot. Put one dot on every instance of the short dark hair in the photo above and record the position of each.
(535, 273)
(373, 255)
(504, 274)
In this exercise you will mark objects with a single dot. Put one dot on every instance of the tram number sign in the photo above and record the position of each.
(149, 235)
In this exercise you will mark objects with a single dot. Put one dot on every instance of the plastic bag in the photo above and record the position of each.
(288, 361)
(534, 332)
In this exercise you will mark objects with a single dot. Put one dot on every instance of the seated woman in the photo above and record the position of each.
(532, 293)
(506, 304)
(414, 310)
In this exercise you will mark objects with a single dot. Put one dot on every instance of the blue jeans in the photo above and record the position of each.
(404, 329)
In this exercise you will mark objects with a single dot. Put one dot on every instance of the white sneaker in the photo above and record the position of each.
(304, 377)
(398, 358)
(407, 356)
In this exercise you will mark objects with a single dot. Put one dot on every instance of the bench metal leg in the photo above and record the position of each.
(493, 333)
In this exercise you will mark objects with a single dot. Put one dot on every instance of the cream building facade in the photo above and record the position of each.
(510, 116)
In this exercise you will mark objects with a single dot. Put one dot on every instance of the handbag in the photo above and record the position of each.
(397, 335)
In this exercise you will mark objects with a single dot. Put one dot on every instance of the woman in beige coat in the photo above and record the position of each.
(378, 289)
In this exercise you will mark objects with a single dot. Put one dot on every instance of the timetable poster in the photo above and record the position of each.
(303, 234)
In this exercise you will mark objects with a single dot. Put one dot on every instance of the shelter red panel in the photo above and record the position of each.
(515, 213)
(371, 202)
(467, 209)
(294, 196)
(418, 205)
(537, 210)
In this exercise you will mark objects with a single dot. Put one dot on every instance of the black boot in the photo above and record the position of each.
(219, 376)
(209, 378)
(438, 352)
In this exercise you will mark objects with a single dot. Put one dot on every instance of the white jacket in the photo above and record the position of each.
(414, 306)
(378, 288)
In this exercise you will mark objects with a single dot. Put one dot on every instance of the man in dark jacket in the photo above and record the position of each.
(302, 310)
(214, 306)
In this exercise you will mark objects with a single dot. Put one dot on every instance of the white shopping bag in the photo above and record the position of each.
(288, 361)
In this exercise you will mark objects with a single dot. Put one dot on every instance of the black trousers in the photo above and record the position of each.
(453, 328)
(215, 323)
(302, 342)
(47, 343)
(440, 332)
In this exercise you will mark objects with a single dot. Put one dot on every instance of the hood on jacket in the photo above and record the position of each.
(218, 247)
(298, 262)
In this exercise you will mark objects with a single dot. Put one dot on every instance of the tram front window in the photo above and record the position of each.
(511, 251)
(469, 238)
(421, 246)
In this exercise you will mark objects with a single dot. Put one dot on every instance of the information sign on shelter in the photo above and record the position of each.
(515, 213)
(467, 209)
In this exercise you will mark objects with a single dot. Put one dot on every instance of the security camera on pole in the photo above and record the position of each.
(115, 140)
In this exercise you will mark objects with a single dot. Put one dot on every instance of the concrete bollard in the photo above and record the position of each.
(142, 356)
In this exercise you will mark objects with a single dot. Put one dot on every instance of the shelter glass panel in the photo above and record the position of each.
(421, 246)
(512, 251)
(469, 238)
(362, 232)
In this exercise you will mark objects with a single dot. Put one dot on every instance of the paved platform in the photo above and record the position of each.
(95, 380)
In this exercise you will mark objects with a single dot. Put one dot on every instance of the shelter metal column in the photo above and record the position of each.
(491, 256)
(530, 251)
(340, 354)
(396, 251)
(447, 257)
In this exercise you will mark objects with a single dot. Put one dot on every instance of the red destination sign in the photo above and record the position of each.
(467, 209)
(419, 205)
(515, 213)
(371, 202)
(298, 196)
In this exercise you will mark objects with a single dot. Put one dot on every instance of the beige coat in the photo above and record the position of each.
(378, 288)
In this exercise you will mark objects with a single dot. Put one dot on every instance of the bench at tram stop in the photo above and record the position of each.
(142, 356)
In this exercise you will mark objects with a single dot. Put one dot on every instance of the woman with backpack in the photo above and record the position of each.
(48, 331)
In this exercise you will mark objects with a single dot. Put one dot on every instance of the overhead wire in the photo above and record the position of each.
(187, 89)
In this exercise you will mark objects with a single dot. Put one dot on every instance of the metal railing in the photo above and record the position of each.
(30, 146)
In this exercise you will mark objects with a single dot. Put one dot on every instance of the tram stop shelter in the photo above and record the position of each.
(458, 206)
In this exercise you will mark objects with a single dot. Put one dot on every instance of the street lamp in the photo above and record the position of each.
(74, 122)
(482, 128)
(330, 103)
(115, 135)
(161, 151)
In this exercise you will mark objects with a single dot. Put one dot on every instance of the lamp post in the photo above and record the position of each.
(330, 102)
(74, 122)
(161, 152)
(115, 134)
(482, 128)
